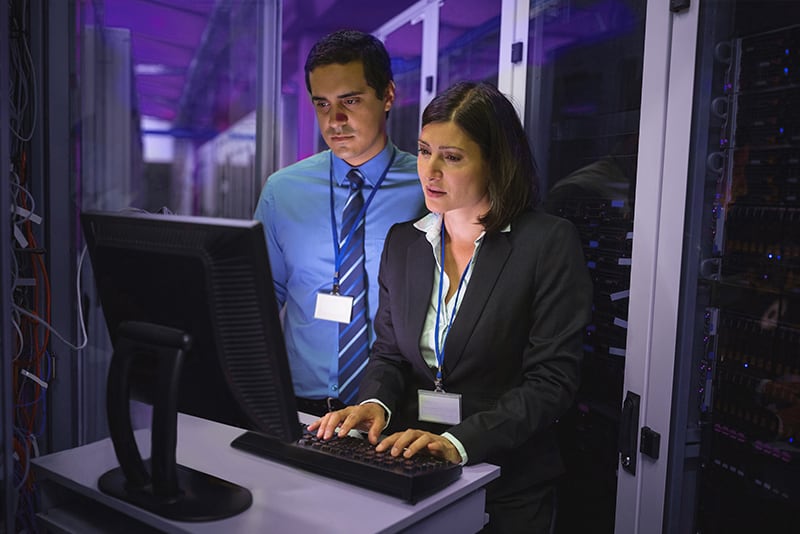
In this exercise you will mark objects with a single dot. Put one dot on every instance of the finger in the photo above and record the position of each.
(329, 424)
(420, 443)
(351, 421)
(313, 426)
(387, 442)
(375, 429)
(320, 425)
(409, 443)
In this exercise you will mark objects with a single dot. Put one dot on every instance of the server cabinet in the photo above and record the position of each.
(695, 331)
(734, 444)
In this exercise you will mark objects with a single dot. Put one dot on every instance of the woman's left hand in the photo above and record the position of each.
(412, 441)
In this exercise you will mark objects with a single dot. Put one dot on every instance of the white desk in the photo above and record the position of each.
(285, 499)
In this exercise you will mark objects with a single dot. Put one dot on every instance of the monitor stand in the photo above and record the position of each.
(159, 485)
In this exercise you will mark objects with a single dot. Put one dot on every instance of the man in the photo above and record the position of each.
(317, 213)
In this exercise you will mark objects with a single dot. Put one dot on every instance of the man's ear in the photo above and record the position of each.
(388, 100)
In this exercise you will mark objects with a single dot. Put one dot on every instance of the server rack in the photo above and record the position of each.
(741, 303)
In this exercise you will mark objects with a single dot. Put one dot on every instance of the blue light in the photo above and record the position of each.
(769, 255)
(780, 130)
(786, 52)
(786, 70)
(746, 365)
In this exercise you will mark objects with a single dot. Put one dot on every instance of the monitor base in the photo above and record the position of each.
(200, 497)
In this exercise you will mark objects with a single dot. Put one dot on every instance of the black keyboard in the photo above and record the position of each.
(354, 460)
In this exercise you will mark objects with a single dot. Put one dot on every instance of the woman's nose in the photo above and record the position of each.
(428, 168)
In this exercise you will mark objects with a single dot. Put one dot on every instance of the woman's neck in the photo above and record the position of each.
(462, 229)
(460, 235)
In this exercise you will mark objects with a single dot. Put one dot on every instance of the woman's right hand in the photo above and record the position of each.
(369, 417)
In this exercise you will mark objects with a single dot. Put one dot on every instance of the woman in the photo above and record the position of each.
(483, 303)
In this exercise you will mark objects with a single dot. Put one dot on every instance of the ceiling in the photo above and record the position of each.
(194, 60)
(187, 54)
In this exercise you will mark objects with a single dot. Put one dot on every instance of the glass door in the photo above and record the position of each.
(432, 46)
(584, 80)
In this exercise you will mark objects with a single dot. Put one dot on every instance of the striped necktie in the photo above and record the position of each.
(353, 337)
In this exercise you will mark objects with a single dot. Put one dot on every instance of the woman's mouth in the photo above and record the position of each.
(434, 192)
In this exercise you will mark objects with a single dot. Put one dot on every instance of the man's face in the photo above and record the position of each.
(351, 117)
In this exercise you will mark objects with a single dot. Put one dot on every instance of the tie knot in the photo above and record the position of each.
(356, 179)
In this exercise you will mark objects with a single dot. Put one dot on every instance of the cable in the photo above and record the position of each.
(20, 337)
(47, 325)
(24, 476)
(22, 90)
(31, 366)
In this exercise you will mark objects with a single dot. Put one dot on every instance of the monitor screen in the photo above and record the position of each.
(195, 327)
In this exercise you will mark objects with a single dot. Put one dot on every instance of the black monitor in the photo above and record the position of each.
(194, 323)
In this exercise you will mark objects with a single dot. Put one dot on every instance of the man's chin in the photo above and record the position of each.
(342, 150)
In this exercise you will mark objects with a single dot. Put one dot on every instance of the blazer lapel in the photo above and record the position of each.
(491, 259)
(419, 284)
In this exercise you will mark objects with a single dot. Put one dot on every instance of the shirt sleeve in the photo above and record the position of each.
(457, 444)
(265, 213)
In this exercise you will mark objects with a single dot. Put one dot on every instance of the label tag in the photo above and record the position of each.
(435, 407)
(338, 308)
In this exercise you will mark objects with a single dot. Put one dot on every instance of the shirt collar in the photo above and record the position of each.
(431, 224)
(371, 170)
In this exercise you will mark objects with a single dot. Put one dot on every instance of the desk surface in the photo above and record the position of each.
(284, 498)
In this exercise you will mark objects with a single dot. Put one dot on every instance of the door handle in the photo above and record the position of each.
(628, 432)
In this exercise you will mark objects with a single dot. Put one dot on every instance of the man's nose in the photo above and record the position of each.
(337, 116)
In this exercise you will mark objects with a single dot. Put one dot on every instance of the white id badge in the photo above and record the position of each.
(332, 307)
(439, 407)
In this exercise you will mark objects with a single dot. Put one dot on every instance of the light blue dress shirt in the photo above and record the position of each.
(294, 207)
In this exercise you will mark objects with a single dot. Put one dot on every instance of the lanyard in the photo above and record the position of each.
(337, 251)
(439, 350)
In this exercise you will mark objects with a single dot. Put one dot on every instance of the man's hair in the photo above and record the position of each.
(491, 120)
(345, 46)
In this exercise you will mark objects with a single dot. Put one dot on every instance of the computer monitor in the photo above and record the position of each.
(195, 328)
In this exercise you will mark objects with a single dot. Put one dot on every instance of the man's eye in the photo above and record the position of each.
(351, 101)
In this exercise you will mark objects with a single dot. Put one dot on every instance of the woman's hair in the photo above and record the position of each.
(344, 46)
(491, 120)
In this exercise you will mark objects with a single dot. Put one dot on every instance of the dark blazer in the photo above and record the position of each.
(513, 352)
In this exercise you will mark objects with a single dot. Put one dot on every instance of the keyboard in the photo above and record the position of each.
(354, 460)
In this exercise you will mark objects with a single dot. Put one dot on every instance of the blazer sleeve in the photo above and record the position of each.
(558, 309)
(387, 370)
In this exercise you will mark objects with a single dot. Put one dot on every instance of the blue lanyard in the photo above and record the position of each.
(337, 252)
(437, 348)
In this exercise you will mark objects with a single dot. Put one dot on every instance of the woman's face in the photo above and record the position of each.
(452, 171)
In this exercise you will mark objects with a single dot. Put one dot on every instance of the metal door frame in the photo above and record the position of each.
(661, 185)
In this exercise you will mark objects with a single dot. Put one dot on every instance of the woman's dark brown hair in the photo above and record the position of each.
(491, 120)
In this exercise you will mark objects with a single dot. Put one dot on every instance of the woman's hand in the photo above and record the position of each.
(369, 417)
(412, 441)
